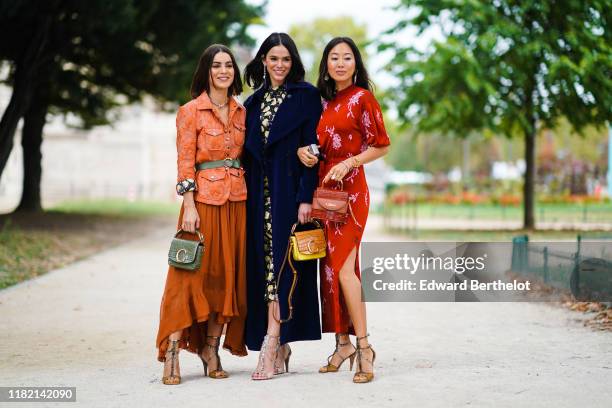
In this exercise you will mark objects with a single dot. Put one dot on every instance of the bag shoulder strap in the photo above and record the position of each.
(287, 258)
(353, 215)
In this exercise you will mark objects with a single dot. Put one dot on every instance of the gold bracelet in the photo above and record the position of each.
(348, 168)
(356, 162)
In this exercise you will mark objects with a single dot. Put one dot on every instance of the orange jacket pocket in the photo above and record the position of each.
(213, 139)
(238, 131)
(213, 186)
(238, 189)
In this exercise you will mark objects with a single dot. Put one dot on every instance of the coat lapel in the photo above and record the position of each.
(254, 140)
(286, 118)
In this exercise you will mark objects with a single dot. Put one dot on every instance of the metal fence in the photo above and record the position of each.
(586, 271)
(414, 215)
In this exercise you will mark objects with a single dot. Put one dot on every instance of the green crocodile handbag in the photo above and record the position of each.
(186, 253)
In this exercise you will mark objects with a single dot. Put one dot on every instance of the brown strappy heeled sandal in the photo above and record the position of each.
(361, 376)
(331, 368)
(174, 377)
(219, 373)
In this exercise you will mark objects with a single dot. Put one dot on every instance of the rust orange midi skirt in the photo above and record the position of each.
(218, 286)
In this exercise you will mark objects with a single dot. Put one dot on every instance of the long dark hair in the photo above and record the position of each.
(201, 76)
(254, 71)
(327, 87)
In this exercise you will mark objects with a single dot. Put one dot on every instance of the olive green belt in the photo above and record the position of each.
(235, 163)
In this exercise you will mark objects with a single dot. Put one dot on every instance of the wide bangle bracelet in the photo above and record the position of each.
(185, 186)
(356, 162)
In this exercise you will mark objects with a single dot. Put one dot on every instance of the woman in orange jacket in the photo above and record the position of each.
(196, 305)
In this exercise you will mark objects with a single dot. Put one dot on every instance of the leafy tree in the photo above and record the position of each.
(86, 58)
(510, 66)
(312, 37)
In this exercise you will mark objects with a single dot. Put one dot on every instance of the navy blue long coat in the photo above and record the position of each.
(291, 183)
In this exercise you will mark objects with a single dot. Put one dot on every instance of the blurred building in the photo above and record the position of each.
(133, 159)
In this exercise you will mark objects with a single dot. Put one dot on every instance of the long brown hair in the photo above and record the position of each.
(201, 77)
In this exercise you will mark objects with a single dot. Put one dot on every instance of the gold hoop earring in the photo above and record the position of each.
(326, 77)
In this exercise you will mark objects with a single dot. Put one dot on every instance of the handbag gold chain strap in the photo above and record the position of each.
(286, 259)
(351, 211)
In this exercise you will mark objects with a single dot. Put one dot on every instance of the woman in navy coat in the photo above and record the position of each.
(282, 115)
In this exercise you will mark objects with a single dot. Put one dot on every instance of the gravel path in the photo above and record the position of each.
(93, 324)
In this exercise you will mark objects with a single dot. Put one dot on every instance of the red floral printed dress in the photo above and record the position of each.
(350, 123)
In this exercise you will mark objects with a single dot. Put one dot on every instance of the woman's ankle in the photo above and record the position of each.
(212, 341)
(362, 341)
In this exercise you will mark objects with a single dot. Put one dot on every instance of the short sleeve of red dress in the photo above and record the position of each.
(371, 122)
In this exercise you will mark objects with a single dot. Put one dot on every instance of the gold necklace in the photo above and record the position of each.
(220, 106)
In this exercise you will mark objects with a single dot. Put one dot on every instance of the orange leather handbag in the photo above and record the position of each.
(330, 205)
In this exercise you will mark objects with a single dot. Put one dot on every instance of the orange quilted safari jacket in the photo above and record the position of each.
(201, 136)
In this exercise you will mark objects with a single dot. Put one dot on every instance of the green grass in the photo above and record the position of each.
(24, 255)
(596, 212)
(118, 207)
(33, 244)
(487, 235)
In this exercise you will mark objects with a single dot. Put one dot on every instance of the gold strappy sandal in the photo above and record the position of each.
(174, 377)
(219, 373)
(361, 376)
(331, 368)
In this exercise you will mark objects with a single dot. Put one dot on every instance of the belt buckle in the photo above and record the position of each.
(228, 162)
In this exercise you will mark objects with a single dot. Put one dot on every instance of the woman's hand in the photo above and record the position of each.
(337, 173)
(304, 213)
(191, 219)
(308, 159)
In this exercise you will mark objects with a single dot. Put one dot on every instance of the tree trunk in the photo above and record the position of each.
(31, 141)
(529, 181)
(465, 163)
(20, 99)
(27, 68)
(529, 130)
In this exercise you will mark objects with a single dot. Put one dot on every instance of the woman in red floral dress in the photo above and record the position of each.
(351, 133)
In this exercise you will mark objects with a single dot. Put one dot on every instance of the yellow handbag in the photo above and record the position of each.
(307, 245)
(302, 246)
